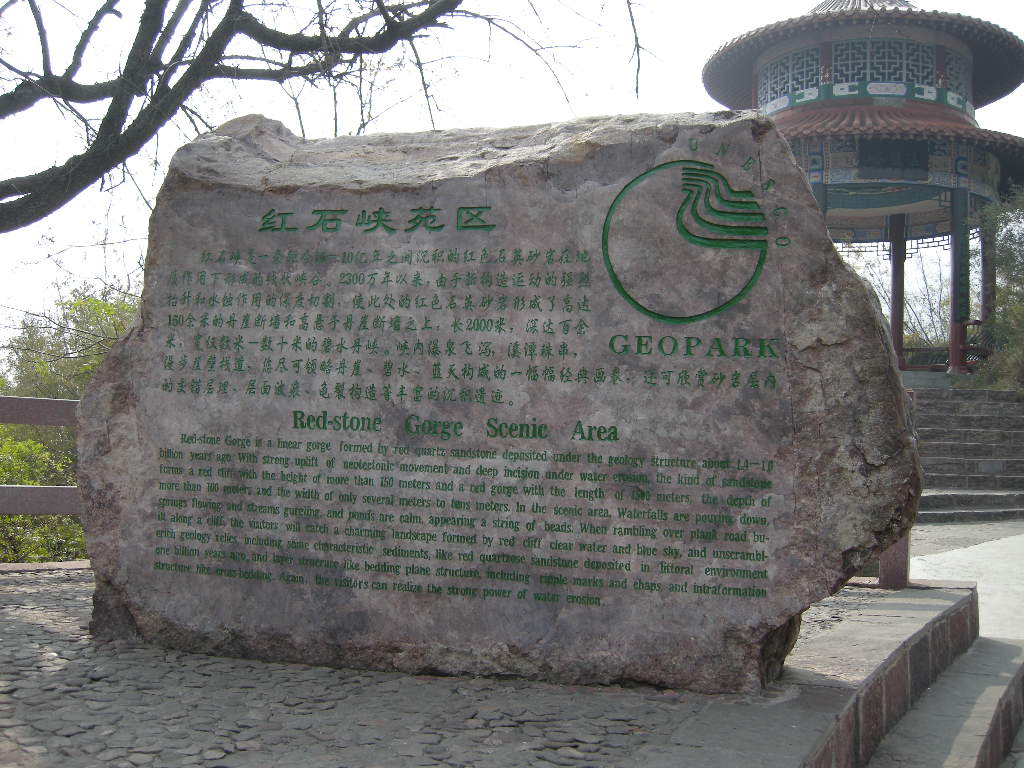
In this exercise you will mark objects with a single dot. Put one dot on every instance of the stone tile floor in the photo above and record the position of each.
(70, 702)
(67, 701)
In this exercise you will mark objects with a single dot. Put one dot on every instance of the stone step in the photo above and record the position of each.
(863, 675)
(933, 394)
(932, 449)
(967, 718)
(974, 482)
(968, 421)
(953, 498)
(1016, 757)
(942, 434)
(969, 515)
(969, 407)
(970, 465)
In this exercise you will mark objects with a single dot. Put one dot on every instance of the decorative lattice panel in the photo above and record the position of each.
(884, 61)
(790, 73)
(887, 61)
(920, 63)
(804, 68)
(862, 61)
(849, 61)
(958, 75)
(778, 79)
(763, 87)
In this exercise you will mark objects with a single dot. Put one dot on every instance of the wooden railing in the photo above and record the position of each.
(975, 350)
(39, 499)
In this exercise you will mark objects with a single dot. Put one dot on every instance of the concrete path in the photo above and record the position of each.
(931, 539)
(996, 566)
(992, 554)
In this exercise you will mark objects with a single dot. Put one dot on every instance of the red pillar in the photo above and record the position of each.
(960, 280)
(897, 258)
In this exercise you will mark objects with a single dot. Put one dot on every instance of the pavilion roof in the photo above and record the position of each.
(998, 54)
(910, 121)
(835, 6)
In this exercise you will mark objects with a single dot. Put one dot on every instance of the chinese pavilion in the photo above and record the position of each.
(877, 100)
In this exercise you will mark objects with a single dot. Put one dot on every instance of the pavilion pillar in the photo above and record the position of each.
(897, 225)
(960, 280)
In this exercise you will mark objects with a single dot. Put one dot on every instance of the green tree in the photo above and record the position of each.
(1002, 227)
(26, 538)
(53, 355)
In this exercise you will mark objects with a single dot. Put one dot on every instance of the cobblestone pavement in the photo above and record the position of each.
(67, 701)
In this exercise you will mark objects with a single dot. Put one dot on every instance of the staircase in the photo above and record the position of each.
(968, 716)
(972, 450)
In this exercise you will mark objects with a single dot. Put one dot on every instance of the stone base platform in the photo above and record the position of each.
(67, 701)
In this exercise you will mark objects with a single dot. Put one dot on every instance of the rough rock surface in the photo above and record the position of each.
(585, 402)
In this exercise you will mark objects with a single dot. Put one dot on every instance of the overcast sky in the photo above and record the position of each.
(484, 80)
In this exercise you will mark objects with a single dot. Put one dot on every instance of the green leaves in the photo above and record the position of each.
(28, 538)
(27, 462)
(40, 538)
(53, 355)
(1002, 226)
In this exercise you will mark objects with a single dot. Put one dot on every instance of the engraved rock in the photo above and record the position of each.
(585, 402)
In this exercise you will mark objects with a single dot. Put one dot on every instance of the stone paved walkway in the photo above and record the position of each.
(67, 701)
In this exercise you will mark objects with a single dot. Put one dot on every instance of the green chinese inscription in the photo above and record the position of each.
(714, 251)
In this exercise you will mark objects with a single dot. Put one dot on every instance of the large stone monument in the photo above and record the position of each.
(584, 402)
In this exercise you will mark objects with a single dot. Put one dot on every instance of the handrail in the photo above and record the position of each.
(39, 499)
(38, 410)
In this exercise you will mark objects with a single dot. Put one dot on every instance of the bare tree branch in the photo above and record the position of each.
(154, 86)
(86, 38)
(179, 45)
(135, 73)
(32, 90)
(423, 81)
(383, 40)
(192, 116)
(45, 192)
(636, 46)
(177, 59)
(169, 28)
(278, 75)
(44, 46)
(509, 29)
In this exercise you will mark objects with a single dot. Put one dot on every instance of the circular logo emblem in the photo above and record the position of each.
(680, 264)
